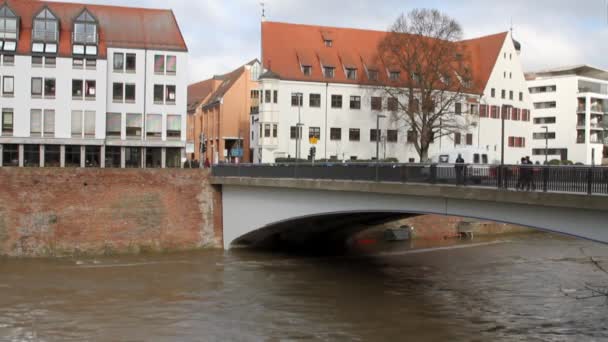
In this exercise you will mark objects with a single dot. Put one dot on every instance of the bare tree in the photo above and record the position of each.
(429, 75)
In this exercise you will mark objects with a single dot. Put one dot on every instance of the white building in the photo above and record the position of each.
(331, 69)
(91, 86)
(570, 105)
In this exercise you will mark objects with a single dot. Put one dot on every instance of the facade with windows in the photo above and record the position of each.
(570, 114)
(81, 87)
(321, 86)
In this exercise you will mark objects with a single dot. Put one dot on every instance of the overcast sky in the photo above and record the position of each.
(223, 34)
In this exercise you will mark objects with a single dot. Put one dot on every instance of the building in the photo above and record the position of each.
(327, 71)
(570, 107)
(219, 114)
(91, 86)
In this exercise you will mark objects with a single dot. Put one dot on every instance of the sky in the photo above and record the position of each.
(223, 34)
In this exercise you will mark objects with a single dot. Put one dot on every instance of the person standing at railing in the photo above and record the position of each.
(207, 163)
(459, 170)
(521, 179)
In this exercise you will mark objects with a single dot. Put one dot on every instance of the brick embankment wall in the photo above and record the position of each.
(56, 212)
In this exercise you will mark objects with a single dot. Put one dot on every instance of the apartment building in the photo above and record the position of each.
(318, 83)
(219, 115)
(570, 108)
(91, 86)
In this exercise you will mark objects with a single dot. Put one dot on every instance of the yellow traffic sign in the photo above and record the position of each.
(313, 140)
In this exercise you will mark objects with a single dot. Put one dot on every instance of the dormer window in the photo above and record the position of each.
(9, 29)
(307, 70)
(351, 73)
(328, 42)
(46, 27)
(372, 74)
(85, 37)
(394, 75)
(329, 72)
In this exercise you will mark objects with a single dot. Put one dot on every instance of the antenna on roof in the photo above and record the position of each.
(263, 10)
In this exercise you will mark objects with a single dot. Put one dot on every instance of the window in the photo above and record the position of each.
(328, 42)
(510, 94)
(275, 130)
(503, 94)
(336, 101)
(10, 155)
(296, 99)
(372, 75)
(457, 138)
(77, 89)
(521, 96)
(293, 132)
(159, 64)
(8, 24)
(267, 96)
(31, 155)
(37, 61)
(49, 87)
(134, 126)
(412, 137)
(275, 96)
(493, 92)
(546, 89)
(458, 108)
(112, 156)
(314, 100)
(355, 102)
(171, 65)
(45, 27)
(77, 123)
(394, 75)
(36, 86)
(8, 59)
(170, 94)
(132, 157)
(517, 142)
(307, 70)
(392, 104)
(483, 111)
(154, 126)
(50, 62)
(7, 121)
(351, 73)
(153, 157)
(314, 132)
(174, 157)
(90, 89)
(494, 112)
(469, 139)
(354, 134)
(117, 92)
(545, 120)
(376, 103)
(328, 72)
(36, 123)
(158, 93)
(266, 130)
(52, 155)
(113, 124)
(174, 126)
(130, 93)
(89, 124)
(544, 105)
(8, 86)
(92, 156)
(119, 61)
(335, 133)
(543, 135)
(374, 135)
(85, 29)
(49, 123)
(392, 135)
(130, 64)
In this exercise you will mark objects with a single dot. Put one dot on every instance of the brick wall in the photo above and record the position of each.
(53, 212)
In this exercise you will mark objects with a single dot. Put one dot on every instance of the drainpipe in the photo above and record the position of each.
(326, 94)
(145, 113)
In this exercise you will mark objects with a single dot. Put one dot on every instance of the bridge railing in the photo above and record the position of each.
(570, 179)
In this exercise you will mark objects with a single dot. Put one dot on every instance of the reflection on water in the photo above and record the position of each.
(512, 290)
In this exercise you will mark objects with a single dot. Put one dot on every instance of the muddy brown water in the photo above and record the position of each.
(520, 288)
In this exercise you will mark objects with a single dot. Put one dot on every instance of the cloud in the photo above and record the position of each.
(223, 34)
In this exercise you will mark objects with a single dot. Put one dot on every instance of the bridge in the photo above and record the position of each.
(268, 203)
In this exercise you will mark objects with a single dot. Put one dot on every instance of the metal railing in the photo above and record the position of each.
(535, 178)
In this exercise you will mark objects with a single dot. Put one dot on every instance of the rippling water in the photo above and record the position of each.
(522, 289)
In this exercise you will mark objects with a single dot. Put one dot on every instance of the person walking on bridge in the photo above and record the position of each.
(460, 169)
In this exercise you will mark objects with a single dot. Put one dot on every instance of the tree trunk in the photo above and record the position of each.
(424, 154)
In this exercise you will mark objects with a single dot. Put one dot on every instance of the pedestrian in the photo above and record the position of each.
(521, 177)
(207, 163)
(531, 185)
(460, 169)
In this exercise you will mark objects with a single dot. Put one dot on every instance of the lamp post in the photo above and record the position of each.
(546, 128)
(378, 117)
(299, 129)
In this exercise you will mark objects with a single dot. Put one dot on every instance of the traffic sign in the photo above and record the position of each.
(313, 140)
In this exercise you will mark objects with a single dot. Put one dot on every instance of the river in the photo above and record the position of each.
(517, 288)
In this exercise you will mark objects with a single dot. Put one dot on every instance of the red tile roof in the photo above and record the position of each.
(119, 27)
(286, 46)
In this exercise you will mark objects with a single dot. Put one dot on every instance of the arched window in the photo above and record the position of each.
(46, 27)
(85, 34)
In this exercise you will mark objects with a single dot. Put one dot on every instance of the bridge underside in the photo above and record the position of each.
(299, 212)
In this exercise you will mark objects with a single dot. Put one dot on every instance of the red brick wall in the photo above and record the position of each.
(52, 212)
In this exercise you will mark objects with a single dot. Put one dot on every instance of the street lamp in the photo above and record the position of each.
(378, 117)
(546, 128)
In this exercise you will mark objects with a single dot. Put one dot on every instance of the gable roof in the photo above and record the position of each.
(119, 27)
(285, 47)
(211, 91)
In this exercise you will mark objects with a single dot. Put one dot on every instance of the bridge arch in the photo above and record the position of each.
(253, 210)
